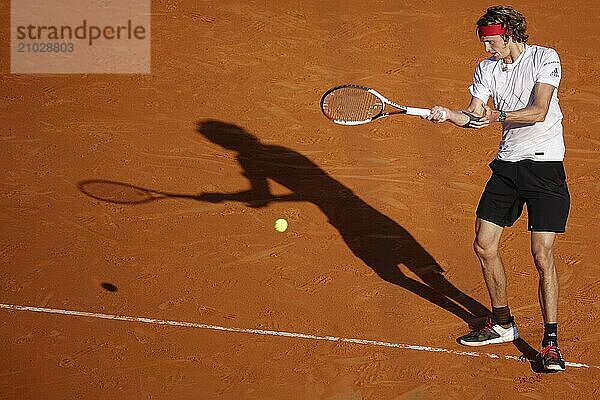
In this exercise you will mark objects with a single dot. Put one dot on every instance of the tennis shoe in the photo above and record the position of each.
(551, 358)
(491, 333)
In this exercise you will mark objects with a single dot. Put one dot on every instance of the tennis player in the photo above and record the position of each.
(522, 80)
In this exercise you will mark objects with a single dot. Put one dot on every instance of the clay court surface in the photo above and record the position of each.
(228, 134)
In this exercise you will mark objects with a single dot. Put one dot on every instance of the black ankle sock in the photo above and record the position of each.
(501, 315)
(550, 334)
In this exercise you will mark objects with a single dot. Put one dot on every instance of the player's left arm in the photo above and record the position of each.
(536, 112)
(547, 79)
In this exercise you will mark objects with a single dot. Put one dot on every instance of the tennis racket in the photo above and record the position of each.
(356, 105)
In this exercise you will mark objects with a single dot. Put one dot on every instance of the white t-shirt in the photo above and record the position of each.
(511, 88)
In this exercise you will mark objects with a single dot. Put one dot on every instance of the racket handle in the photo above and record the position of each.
(421, 112)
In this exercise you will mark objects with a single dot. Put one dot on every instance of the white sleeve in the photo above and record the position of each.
(550, 70)
(479, 88)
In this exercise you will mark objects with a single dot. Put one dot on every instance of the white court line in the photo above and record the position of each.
(270, 333)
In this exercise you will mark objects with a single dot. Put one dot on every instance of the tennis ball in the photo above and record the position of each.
(281, 225)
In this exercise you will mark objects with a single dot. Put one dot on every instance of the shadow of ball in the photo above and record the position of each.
(109, 286)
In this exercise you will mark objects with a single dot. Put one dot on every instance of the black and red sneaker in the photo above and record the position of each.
(551, 358)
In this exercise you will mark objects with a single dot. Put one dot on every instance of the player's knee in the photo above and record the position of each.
(543, 259)
(485, 250)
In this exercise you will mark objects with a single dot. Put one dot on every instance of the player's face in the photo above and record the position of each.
(496, 46)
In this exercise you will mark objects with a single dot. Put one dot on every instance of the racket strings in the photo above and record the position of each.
(351, 104)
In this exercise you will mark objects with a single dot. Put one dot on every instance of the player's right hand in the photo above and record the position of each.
(438, 114)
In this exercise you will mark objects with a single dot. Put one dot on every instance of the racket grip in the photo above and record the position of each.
(421, 112)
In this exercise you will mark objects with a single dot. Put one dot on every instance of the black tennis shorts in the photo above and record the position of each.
(541, 185)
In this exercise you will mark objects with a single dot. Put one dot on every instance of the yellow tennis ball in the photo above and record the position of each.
(281, 225)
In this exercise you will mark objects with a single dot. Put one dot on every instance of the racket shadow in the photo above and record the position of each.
(124, 193)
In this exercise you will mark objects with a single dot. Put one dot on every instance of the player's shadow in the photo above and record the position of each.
(380, 242)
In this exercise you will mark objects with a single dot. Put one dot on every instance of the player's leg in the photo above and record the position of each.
(499, 206)
(500, 327)
(548, 291)
(548, 203)
(541, 249)
(486, 246)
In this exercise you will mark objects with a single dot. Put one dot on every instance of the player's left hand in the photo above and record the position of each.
(488, 117)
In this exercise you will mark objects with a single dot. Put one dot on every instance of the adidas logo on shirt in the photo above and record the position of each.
(554, 73)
